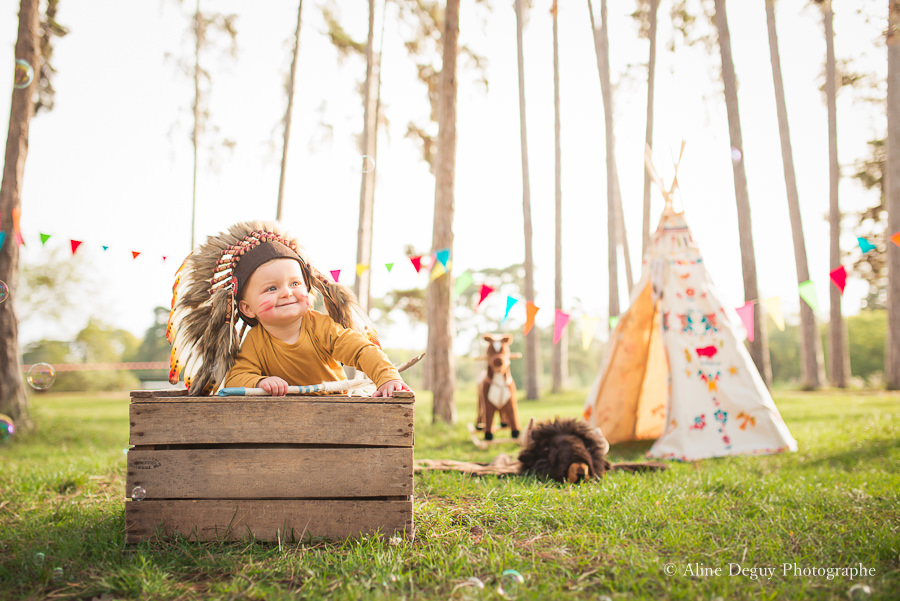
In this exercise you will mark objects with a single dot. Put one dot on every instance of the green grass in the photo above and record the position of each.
(834, 503)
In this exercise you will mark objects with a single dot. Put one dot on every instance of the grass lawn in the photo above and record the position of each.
(702, 530)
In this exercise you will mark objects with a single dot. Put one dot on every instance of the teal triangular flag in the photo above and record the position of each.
(44, 238)
(2, 238)
(864, 244)
(105, 248)
(510, 301)
(443, 256)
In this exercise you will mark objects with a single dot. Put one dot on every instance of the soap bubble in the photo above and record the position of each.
(39, 559)
(859, 592)
(4, 291)
(23, 75)
(471, 588)
(57, 574)
(138, 494)
(41, 376)
(7, 428)
(736, 154)
(511, 583)
(368, 163)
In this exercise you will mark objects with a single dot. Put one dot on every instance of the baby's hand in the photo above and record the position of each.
(388, 388)
(274, 386)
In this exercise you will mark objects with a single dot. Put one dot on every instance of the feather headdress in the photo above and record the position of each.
(202, 324)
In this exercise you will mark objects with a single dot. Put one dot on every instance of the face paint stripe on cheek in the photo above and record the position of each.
(265, 307)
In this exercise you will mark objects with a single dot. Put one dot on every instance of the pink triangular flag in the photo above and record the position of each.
(839, 277)
(417, 262)
(134, 254)
(530, 311)
(559, 323)
(75, 245)
(335, 274)
(896, 238)
(485, 290)
(746, 315)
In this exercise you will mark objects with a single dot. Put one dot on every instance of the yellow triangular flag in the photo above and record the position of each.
(773, 308)
(360, 269)
(589, 324)
(438, 271)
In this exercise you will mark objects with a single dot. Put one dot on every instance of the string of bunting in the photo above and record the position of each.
(438, 264)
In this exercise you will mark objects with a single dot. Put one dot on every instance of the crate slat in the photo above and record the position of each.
(267, 519)
(271, 473)
(272, 421)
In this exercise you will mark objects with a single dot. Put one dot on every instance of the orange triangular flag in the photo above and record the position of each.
(530, 311)
(896, 238)
(134, 254)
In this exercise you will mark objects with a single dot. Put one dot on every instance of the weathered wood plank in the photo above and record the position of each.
(274, 473)
(406, 399)
(147, 394)
(267, 519)
(274, 421)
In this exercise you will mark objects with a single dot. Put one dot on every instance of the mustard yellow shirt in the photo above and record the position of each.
(312, 359)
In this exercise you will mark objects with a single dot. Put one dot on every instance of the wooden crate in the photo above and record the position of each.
(275, 468)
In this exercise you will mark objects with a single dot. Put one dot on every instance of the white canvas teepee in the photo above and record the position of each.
(676, 371)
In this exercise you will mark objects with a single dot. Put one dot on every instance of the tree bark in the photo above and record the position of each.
(440, 314)
(531, 340)
(892, 198)
(560, 371)
(837, 342)
(13, 401)
(759, 348)
(648, 136)
(811, 343)
(361, 285)
(287, 115)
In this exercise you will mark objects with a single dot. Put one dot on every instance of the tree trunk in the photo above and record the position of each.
(837, 342)
(759, 348)
(560, 369)
(361, 285)
(287, 115)
(811, 343)
(648, 136)
(13, 401)
(195, 136)
(531, 340)
(440, 313)
(615, 219)
(892, 198)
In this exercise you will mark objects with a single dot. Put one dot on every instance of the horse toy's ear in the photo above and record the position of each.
(602, 442)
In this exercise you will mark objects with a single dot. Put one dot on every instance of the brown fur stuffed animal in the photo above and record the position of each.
(496, 389)
(570, 450)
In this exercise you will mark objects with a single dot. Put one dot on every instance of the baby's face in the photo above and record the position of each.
(276, 294)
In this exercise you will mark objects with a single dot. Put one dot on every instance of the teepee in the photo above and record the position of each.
(676, 370)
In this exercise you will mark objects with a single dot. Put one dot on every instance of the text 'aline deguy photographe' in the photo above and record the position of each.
(785, 570)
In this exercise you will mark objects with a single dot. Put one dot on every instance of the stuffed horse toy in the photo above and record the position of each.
(496, 389)
(570, 450)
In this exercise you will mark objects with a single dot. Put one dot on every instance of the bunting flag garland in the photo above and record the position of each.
(773, 308)
(17, 233)
(360, 269)
(896, 238)
(417, 262)
(530, 311)
(134, 254)
(864, 245)
(808, 293)
(462, 282)
(613, 322)
(44, 238)
(746, 315)
(559, 323)
(443, 256)
(335, 274)
(839, 277)
(389, 266)
(510, 301)
(587, 331)
(485, 290)
(438, 271)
